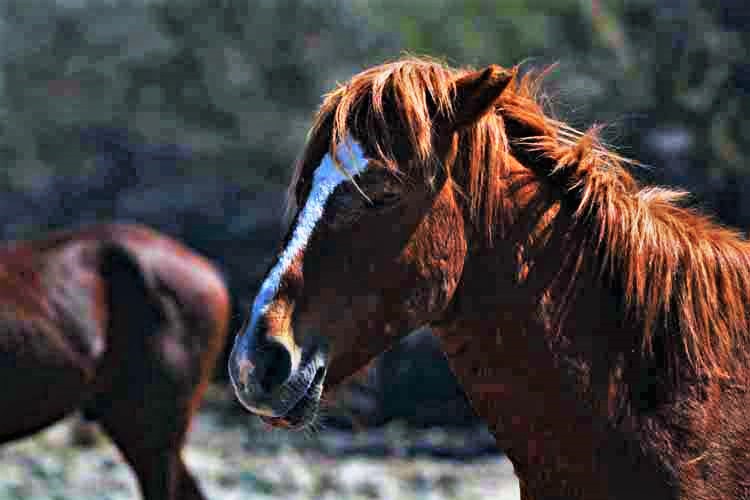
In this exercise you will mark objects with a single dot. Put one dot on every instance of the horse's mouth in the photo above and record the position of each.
(304, 412)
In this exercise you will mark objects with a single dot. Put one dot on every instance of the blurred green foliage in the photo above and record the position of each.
(675, 62)
(238, 81)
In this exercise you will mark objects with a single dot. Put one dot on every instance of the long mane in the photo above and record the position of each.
(676, 266)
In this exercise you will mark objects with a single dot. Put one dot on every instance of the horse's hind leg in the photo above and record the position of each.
(149, 423)
(148, 401)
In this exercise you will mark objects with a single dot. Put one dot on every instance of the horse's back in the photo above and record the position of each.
(167, 265)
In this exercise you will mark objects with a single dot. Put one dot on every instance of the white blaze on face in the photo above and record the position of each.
(325, 180)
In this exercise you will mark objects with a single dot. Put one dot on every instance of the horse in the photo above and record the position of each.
(597, 324)
(121, 323)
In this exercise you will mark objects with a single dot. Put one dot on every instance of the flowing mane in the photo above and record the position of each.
(676, 266)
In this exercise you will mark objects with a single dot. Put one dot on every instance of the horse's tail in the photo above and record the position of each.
(166, 306)
(126, 282)
(189, 293)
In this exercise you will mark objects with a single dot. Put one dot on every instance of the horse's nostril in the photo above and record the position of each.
(273, 366)
(242, 374)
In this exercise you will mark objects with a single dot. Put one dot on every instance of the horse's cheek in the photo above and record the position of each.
(437, 266)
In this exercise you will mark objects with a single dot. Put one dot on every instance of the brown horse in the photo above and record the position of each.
(599, 327)
(122, 323)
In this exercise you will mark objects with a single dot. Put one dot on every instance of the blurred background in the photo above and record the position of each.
(187, 115)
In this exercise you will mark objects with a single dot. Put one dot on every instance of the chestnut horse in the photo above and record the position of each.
(122, 323)
(599, 327)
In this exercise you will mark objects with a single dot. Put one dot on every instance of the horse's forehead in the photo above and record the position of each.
(351, 161)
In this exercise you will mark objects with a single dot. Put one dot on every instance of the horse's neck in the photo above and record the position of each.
(520, 375)
(537, 387)
(538, 397)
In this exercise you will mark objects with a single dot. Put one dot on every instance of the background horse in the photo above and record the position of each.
(599, 328)
(122, 323)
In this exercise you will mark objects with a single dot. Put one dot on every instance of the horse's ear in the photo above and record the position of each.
(476, 94)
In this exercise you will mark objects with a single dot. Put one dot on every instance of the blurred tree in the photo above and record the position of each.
(235, 80)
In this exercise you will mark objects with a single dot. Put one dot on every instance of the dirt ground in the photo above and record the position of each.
(235, 457)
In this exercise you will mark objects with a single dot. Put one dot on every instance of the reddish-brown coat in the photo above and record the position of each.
(600, 328)
(121, 322)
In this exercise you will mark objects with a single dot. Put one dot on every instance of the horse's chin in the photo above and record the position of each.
(304, 413)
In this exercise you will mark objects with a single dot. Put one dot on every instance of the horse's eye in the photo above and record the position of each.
(383, 200)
